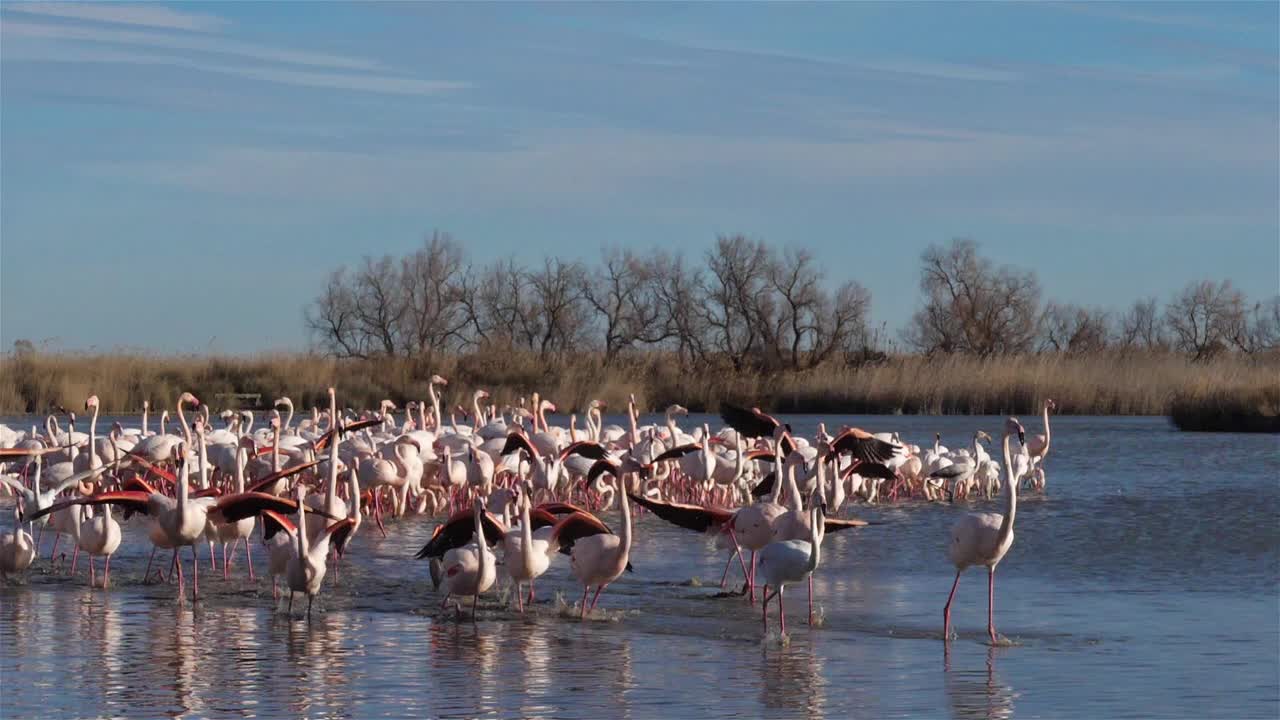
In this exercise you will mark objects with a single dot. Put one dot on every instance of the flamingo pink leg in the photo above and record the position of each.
(737, 549)
(195, 573)
(146, 577)
(54, 553)
(74, 555)
(585, 590)
(751, 579)
(764, 608)
(225, 564)
(248, 558)
(782, 612)
(810, 600)
(596, 599)
(991, 604)
(946, 611)
(530, 601)
(106, 574)
(725, 577)
(92, 578)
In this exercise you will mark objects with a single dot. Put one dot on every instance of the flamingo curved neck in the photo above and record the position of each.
(1045, 450)
(1011, 496)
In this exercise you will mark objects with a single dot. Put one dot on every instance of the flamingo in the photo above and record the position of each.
(305, 570)
(470, 570)
(791, 561)
(526, 555)
(596, 556)
(99, 537)
(985, 538)
(17, 551)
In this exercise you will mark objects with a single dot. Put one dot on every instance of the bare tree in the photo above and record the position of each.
(737, 305)
(434, 278)
(1073, 329)
(1142, 327)
(809, 323)
(493, 303)
(1204, 316)
(623, 294)
(331, 318)
(558, 306)
(1256, 329)
(678, 295)
(971, 305)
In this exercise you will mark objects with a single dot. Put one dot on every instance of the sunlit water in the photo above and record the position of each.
(1145, 584)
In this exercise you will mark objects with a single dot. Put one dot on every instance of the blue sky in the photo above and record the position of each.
(182, 177)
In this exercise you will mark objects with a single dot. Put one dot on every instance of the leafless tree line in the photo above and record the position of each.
(746, 303)
(971, 305)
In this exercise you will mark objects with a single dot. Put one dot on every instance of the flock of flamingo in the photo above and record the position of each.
(505, 482)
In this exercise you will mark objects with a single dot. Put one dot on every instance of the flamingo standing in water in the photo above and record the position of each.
(306, 569)
(596, 556)
(17, 551)
(984, 538)
(471, 570)
(791, 561)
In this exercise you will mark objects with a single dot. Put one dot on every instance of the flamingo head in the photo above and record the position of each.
(187, 397)
(1049, 404)
(678, 410)
(482, 395)
(1012, 426)
(438, 380)
(91, 403)
(983, 436)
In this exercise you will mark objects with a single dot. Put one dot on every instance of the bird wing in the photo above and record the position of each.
(151, 467)
(586, 448)
(870, 470)
(539, 518)
(749, 423)
(239, 506)
(273, 522)
(601, 467)
(458, 530)
(83, 475)
(340, 532)
(678, 452)
(765, 486)
(517, 440)
(864, 446)
(323, 441)
(133, 500)
(950, 471)
(832, 525)
(691, 517)
(561, 508)
(574, 527)
(287, 472)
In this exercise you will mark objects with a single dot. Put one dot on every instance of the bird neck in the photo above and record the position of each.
(1045, 450)
(526, 536)
(332, 490)
(625, 535)
(797, 502)
(481, 545)
(816, 529)
(302, 530)
(1011, 495)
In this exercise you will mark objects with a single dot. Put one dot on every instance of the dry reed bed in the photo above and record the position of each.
(1104, 384)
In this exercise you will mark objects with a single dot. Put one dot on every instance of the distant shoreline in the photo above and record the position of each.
(1232, 392)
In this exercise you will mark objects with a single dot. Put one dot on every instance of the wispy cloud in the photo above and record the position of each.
(1145, 16)
(373, 83)
(190, 43)
(149, 15)
(58, 43)
(942, 70)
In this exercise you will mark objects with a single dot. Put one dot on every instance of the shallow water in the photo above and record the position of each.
(1145, 584)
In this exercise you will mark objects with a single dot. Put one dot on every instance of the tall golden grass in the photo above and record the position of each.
(1101, 384)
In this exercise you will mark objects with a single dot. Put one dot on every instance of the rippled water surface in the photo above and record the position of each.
(1145, 584)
